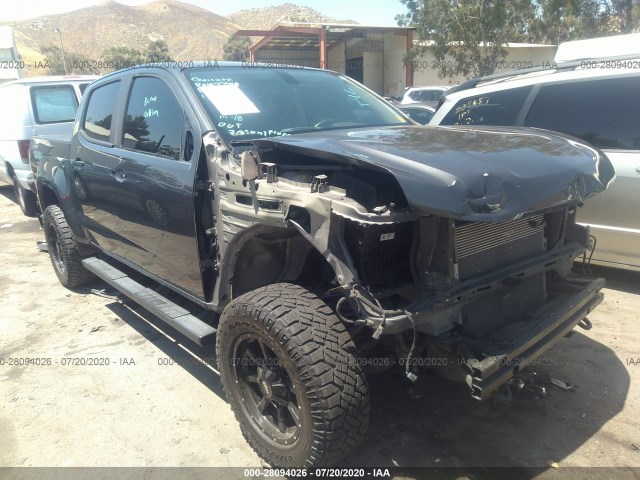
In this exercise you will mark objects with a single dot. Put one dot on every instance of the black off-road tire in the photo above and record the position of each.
(309, 346)
(26, 199)
(63, 250)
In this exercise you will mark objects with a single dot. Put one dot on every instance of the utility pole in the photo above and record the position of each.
(64, 62)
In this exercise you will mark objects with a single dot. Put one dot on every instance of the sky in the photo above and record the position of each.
(365, 12)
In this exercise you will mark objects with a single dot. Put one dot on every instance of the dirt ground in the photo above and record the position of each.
(153, 399)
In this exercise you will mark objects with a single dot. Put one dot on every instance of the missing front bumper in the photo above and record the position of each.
(509, 354)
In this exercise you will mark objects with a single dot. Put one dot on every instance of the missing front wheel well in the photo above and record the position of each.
(283, 256)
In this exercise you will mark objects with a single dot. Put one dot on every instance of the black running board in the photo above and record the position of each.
(172, 314)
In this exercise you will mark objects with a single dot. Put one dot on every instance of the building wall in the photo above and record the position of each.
(373, 71)
(383, 70)
(395, 47)
(426, 71)
(12, 69)
(305, 58)
(336, 58)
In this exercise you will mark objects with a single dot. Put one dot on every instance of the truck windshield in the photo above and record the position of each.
(255, 102)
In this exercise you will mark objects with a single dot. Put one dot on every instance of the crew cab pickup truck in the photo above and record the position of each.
(319, 235)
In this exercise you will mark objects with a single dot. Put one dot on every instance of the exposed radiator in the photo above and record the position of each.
(482, 247)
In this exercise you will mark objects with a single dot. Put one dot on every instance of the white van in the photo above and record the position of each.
(34, 106)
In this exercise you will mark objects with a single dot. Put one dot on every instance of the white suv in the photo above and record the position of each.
(34, 106)
(597, 100)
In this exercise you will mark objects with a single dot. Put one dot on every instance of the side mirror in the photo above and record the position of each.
(249, 165)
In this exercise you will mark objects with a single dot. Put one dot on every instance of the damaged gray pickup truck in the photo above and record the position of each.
(319, 235)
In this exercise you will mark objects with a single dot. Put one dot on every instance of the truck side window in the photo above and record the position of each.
(493, 108)
(605, 113)
(153, 122)
(97, 119)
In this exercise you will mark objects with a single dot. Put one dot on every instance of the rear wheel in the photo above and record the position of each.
(63, 250)
(26, 199)
(289, 370)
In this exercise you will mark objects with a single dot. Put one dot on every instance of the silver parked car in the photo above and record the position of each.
(34, 106)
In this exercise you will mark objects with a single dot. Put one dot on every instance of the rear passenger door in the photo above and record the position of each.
(156, 207)
(606, 113)
(95, 165)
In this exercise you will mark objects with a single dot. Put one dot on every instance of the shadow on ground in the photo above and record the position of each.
(435, 423)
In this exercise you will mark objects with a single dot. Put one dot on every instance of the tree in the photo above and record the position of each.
(559, 21)
(158, 51)
(77, 63)
(236, 49)
(122, 57)
(467, 37)
(625, 15)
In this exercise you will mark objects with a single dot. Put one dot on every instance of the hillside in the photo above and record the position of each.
(192, 33)
(268, 17)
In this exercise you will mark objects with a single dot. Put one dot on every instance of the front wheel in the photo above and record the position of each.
(63, 250)
(289, 370)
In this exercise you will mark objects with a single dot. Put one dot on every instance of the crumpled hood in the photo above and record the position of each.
(471, 173)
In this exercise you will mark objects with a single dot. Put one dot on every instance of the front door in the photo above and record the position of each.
(156, 207)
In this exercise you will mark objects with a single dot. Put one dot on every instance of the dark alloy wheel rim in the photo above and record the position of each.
(268, 396)
(55, 249)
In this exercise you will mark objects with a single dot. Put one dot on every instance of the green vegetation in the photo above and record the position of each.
(113, 58)
(236, 49)
(467, 37)
(123, 57)
(77, 63)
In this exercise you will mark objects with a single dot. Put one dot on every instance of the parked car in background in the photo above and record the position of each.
(393, 100)
(596, 100)
(424, 94)
(419, 112)
(34, 106)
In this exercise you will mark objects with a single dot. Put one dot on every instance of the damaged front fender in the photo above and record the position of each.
(473, 174)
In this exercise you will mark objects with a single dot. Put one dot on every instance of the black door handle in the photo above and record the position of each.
(78, 163)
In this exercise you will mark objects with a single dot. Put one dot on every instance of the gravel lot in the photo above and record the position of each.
(157, 404)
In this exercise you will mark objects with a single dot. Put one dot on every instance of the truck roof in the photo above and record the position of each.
(213, 64)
